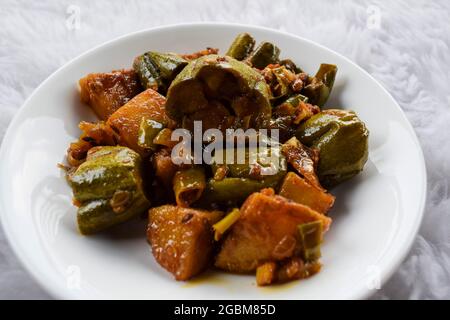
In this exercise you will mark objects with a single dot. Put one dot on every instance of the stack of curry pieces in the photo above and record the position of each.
(223, 214)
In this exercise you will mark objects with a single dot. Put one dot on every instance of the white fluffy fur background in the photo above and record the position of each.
(409, 54)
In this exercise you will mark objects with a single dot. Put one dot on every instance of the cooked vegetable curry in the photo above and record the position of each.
(220, 213)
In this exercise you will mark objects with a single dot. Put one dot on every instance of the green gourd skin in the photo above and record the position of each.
(224, 78)
(156, 70)
(294, 100)
(232, 191)
(240, 183)
(241, 47)
(266, 53)
(107, 171)
(311, 239)
(148, 130)
(97, 215)
(168, 65)
(243, 170)
(342, 140)
(147, 72)
(319, 88)
(290, 65)
(188, 185)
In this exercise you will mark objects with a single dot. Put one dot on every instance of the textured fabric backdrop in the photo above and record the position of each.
(403, 44)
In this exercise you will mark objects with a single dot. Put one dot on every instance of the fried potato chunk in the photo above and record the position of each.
(284, 271)
(125, 122)
(107, 92)
(299, 190)
(182, 239)
(266, 231)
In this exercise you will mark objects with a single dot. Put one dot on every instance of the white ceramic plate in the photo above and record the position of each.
(376, 215)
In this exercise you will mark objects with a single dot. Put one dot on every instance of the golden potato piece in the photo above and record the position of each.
(299, 190)
(287, 270)
(266, 231)
(107, 92)
(182, 239)
(126, 121)
(266, 273)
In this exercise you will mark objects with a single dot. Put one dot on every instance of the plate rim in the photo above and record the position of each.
(54, 290)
